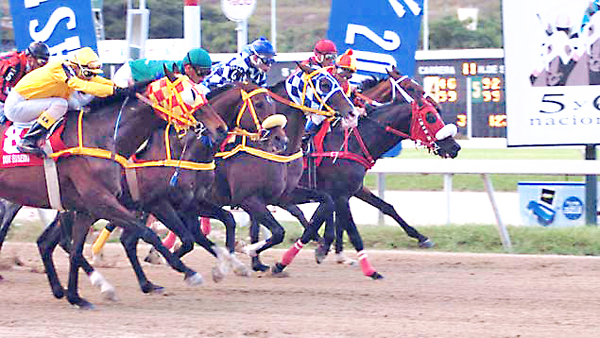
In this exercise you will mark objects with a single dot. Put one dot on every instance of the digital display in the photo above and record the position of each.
(464, 86)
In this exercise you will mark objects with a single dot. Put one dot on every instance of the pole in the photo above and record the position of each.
(426, 25)
(591, 187)
(274, 24)
(192, 32)
(242, 34)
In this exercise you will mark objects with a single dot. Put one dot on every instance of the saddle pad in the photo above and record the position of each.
(11, 157)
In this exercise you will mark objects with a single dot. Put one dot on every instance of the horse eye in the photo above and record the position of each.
(430, 118)
(325, 86)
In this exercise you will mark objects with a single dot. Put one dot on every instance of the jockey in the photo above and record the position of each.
(196, 65)
(325, 54)
(14, 65)
(345, 66)
(252, 65)
(42, 94)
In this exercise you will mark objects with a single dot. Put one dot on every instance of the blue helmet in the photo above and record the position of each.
(262, 47)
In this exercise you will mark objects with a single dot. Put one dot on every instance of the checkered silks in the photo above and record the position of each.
(302, 93)
(167, 95)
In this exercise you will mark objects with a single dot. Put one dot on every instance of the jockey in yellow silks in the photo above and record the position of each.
(42, 94)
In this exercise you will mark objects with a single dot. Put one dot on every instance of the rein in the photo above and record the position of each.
(105, 154)
(292, 104)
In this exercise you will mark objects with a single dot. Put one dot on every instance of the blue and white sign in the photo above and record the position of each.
(382, 33)
(64, 25)
(552, 204)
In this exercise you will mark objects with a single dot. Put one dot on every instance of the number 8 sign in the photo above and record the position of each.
(382, 33)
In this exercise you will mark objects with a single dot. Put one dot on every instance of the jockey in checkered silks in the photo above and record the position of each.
(251, 65)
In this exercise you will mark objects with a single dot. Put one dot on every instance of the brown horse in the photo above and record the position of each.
(88, 184)
(341, 173)
(274, 181)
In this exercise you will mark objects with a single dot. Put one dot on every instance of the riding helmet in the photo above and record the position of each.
(262, 47)
(38, 50)
(198, 57)
(347, 60)
(325, 47)
(87, 58)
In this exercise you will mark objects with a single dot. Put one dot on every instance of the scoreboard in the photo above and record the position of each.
(469, 85)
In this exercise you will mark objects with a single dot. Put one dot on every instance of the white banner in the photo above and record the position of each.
(552, 59)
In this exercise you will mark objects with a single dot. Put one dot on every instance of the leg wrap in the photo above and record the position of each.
(291, 253)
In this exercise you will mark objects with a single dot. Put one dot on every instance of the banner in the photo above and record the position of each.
(552, 75)
(64, 25)
(383, 33)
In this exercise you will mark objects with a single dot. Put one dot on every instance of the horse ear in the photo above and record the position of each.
(389, 73)
(175, 68)
(305, 68)
(169, 74)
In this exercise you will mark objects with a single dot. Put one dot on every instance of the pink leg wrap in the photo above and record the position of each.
(289, 255)
(365, 265)
(205, 225)
(169, 240)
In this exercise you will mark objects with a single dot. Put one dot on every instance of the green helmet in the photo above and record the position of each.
(197, 57)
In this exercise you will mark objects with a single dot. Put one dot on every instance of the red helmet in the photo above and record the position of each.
(325, 47)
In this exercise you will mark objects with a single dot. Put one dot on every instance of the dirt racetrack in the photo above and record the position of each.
(424, 294)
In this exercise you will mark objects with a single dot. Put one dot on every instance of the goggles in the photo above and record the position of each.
(41, 62)
(329, 56)
(266, 60)
(345, 72)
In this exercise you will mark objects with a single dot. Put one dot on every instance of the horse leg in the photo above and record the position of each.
(254, 230)
(9, 210)
(83, 221)
(366, 195)
(344, 216)
(323, 214)
(129, 239)
(258, 210)
(59, 233)
(167, 215)
(46, 243)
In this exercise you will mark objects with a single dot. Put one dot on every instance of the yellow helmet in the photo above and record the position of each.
(87, 59)
(347, 60)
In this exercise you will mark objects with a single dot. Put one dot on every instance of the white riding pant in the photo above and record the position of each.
(122, 76)
(20, 110)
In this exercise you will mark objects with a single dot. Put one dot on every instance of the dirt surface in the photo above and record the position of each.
(424, 294)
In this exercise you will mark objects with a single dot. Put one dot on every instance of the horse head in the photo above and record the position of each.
(424, 125)
(176, 100)
(246, 108)
(317, 89)
(273, 138)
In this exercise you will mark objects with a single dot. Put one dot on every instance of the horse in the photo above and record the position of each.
(89, 184)
(341, 172)
(276, 178)
(248, 111)
(395, 88)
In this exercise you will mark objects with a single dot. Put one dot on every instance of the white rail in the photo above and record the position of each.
(484, 168)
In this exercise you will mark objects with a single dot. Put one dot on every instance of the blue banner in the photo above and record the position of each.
(64, 25)
(383, 33)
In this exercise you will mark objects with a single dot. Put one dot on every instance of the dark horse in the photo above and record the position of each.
(396, 88)
(349, 152)
(253, 182)
(90, 185)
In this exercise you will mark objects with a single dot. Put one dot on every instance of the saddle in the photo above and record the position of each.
(11, 157)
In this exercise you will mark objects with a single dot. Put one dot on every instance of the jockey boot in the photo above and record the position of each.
(29, 142)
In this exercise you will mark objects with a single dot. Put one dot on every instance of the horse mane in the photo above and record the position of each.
(276, 87)
(370, 82)
(99, 102)
(219, 90)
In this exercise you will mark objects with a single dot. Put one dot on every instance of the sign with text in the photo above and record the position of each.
(382, 33)
(552, 78)
(64, 25)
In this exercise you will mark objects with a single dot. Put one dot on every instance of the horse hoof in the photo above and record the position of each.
(426, 244)
(239, 268)
(320, 254)
(217, 274)
(149, 288)
(258, 266)
(194, 279)
(109, 294)
(277, 271)
(82, 304)
(375, 275)
(342, 259)
(58, 293)
(153, 257)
